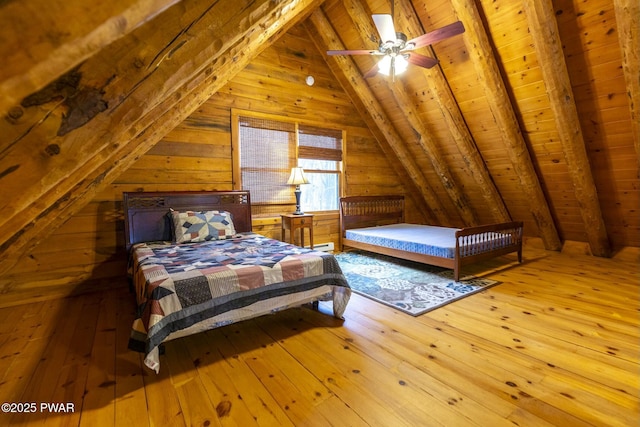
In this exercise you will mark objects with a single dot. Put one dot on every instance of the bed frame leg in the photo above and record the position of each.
(315, 305)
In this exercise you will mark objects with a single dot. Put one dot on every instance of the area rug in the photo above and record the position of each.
(408, 286)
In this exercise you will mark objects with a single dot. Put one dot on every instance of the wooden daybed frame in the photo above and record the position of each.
(473, 244)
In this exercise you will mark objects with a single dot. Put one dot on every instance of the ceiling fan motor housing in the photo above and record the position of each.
(393, 47)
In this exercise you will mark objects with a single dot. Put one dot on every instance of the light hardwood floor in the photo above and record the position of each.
(556, 343)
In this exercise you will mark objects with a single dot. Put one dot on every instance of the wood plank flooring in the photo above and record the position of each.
(556, 343)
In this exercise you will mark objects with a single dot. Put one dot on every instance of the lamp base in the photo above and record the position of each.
(297, 192)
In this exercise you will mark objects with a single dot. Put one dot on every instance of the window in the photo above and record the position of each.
(320, 155)
(265, 148)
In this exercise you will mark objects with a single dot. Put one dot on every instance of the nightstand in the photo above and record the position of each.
(292, 223)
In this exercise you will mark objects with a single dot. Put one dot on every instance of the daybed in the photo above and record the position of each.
(377, 224)
(196, 265)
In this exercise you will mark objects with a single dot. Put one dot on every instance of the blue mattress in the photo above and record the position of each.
(422, 239)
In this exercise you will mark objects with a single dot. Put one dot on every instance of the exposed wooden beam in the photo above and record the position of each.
(350, 77)
(628, 22)
(43, 40)
(480, 52)
(442, 94)
(165, 83)
(428, 144)
(548, 46)
(363, 22)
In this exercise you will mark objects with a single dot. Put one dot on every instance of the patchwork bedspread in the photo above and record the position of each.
(183, 289)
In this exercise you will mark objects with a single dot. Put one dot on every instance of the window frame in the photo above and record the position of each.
(236, 114)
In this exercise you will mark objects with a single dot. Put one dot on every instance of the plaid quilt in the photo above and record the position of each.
(185, 288)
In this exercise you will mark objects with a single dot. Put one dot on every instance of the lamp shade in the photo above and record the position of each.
(297, 177)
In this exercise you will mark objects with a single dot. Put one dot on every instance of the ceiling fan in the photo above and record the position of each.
(396, 51)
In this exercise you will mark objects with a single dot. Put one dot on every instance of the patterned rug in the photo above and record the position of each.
(408, 286)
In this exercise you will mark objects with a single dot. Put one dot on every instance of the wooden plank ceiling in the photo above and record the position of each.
(531, 113)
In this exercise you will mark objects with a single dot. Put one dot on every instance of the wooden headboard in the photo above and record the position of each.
(145, 214)
(369, 211)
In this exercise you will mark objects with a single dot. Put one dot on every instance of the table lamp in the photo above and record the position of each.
(296, 178)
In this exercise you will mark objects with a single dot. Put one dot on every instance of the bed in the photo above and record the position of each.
(195, 265)
(377, 224)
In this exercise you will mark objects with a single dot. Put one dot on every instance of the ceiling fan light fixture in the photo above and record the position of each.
(384, 66)
(393, 65)
(400, 64)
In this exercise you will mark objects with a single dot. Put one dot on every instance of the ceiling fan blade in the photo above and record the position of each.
(421, 60)
(384, 25)
(352, 52)
(437, 35)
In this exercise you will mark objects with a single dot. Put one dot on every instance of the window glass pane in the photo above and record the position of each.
(322, 192)
(319, 165)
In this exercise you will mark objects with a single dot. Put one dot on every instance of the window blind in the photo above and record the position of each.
(267, 154)
(319, 143)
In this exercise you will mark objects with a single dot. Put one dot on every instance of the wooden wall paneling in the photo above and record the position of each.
(364, 160)
(480, 52)
(262, 87)
(439, 87)
(628, 24)
(599, 64)
(349, 76)
(116, 138)
(189, 148)
(512, 44)
(591, 42)
(85, 254)
(180, 162)
(548, 47)
(470, 98)
(145, 176)
(518, 64)
(278, 100)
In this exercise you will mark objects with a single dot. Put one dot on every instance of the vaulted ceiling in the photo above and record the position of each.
(531, 113)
